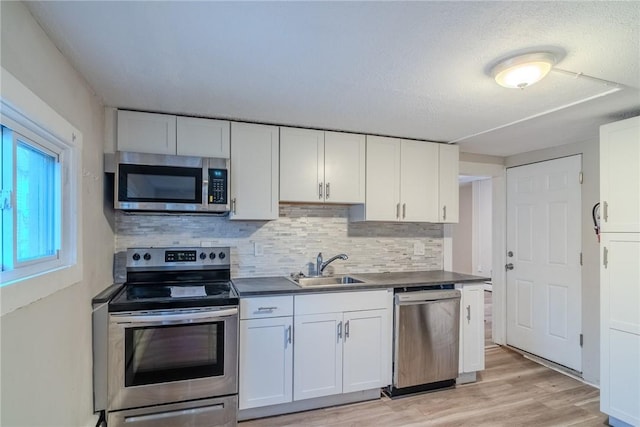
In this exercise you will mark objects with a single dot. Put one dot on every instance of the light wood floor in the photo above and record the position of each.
(511, 391)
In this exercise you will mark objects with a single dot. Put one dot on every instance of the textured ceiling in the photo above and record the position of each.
(407, 69)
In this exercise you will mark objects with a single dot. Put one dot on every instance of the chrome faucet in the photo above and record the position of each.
(320, 265)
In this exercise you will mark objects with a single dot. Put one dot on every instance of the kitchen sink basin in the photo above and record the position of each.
(326, 281)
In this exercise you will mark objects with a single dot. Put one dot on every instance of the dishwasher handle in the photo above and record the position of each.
(425, 297)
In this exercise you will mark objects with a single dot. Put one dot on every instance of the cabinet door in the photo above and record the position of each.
(448, 183)
(419, 181)
(620, 176)
(146, 132)
(254, 171)
(620, 326)
(301, 160)
(383, 179)
(472, 328)
(317, 361)
(365, 341)
(266, 362)
(344, 167)
(202, 137)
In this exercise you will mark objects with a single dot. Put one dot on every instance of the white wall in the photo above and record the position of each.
(462, 232)
(590, 248)
(46, 361)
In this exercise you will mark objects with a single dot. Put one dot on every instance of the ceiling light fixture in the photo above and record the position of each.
(523, 70)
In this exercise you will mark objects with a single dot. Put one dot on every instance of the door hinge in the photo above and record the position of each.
(580, 258)
(5, 200)
(581, 340)
(581, 177)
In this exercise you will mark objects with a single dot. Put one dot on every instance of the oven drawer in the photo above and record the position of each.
(220, 411)
(258, 307)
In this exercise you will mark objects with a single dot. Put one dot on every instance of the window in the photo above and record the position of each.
(31, 201)
(36, 205)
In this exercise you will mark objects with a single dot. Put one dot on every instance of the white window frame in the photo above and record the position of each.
(26, 114)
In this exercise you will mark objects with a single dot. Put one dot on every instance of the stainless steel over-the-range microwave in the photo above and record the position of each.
(156, 182)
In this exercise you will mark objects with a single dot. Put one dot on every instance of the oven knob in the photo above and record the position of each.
(221, 255)
(147, 256)
(136, 257)
(212, 255)
(203, 255)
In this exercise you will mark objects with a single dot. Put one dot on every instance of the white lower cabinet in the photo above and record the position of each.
(471, 327)
(318, 355)
(266, 352)
(345, 350)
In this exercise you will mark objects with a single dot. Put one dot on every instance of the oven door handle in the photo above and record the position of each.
(179, 317)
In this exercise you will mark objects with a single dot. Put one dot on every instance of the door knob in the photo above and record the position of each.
(508, 266)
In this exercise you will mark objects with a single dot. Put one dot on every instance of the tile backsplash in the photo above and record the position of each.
(290, 243)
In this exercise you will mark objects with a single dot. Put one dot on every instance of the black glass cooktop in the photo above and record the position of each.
(168, 296)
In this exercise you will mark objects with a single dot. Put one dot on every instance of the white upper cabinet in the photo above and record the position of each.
(402, 181)
(174, 135)
(620, 176)
(254, 171)
(301, 165)
(383, 180)
(203, 137)
(146, 132)
(344, 167)
(448, 183)
(419, 181)
(321, 167)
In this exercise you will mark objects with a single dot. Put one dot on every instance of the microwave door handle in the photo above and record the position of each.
(173, 318)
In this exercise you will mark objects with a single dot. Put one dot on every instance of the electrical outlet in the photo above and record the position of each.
(418, 248)
(258, 249)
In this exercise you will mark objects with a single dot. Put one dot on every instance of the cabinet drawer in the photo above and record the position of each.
(255, 308)
(344, 301)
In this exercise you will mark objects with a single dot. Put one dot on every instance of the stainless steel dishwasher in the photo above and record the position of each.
(426, 340)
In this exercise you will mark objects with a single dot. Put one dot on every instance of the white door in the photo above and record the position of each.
(543, 245)
(364, 344)
(317, 361)
(266, 362)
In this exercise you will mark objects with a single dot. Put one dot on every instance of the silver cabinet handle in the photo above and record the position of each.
(444, 213)
(605, 211)
(469, 313)
(320, 190)
(346, 330)
(288, 337)
(339, 331)
(267, 308)
(605, 257)
(326, 191)
(404, 210)
(398, 211)
(233, 205)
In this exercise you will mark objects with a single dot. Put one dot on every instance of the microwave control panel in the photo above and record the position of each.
(218, 185)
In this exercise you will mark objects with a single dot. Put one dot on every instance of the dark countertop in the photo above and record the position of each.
(266, 286)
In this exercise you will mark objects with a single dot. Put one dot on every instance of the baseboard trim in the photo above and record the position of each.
(308, 404)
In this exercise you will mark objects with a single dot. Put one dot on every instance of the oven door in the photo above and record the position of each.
(158, 357)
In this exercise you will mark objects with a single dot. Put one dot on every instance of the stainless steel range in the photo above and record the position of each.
(166, 342)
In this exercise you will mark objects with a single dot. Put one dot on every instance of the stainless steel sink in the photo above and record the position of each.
(326, 281)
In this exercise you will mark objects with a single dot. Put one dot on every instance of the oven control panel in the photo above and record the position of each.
(192, 257)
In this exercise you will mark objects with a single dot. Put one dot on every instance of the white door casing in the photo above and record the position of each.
(544, 234)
